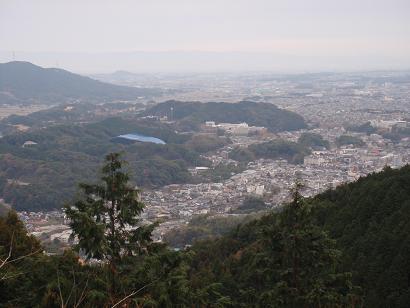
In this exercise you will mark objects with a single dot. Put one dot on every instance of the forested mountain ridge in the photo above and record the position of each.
(256, 114)
(24, 83)
(369, 220)
(347, 247)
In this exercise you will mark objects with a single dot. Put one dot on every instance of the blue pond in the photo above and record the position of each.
(141, 138)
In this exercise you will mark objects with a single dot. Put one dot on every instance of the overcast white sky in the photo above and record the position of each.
(89, 35)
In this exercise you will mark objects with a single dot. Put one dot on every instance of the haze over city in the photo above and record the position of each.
(195, 36)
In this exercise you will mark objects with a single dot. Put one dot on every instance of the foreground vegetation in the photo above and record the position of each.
(347, 247)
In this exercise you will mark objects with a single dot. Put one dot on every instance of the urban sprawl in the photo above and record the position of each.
(328, 104)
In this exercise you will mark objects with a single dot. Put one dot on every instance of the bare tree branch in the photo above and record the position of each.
(133, 293)
(59, 290)
(72, 287)
(82, 296)
(4, 262)
(6, 276)
(7, 259)
(25, 256)
(77, 303)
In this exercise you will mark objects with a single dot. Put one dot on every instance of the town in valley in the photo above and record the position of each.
(373, 109)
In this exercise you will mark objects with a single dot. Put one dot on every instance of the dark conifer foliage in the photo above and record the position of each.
(106, 222)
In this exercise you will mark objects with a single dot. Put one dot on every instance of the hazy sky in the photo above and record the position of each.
(304, 34)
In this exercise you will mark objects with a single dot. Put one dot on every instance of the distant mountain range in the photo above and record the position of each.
(24, 83)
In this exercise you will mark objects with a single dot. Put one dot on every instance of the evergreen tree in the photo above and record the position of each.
(106, 221)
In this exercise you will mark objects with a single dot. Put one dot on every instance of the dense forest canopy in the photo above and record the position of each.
(370, 219)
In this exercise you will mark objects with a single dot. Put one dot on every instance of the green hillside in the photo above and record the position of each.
(192, 114)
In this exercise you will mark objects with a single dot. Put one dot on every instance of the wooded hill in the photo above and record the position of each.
(25, 83)
(293, 152)
(193, 114)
